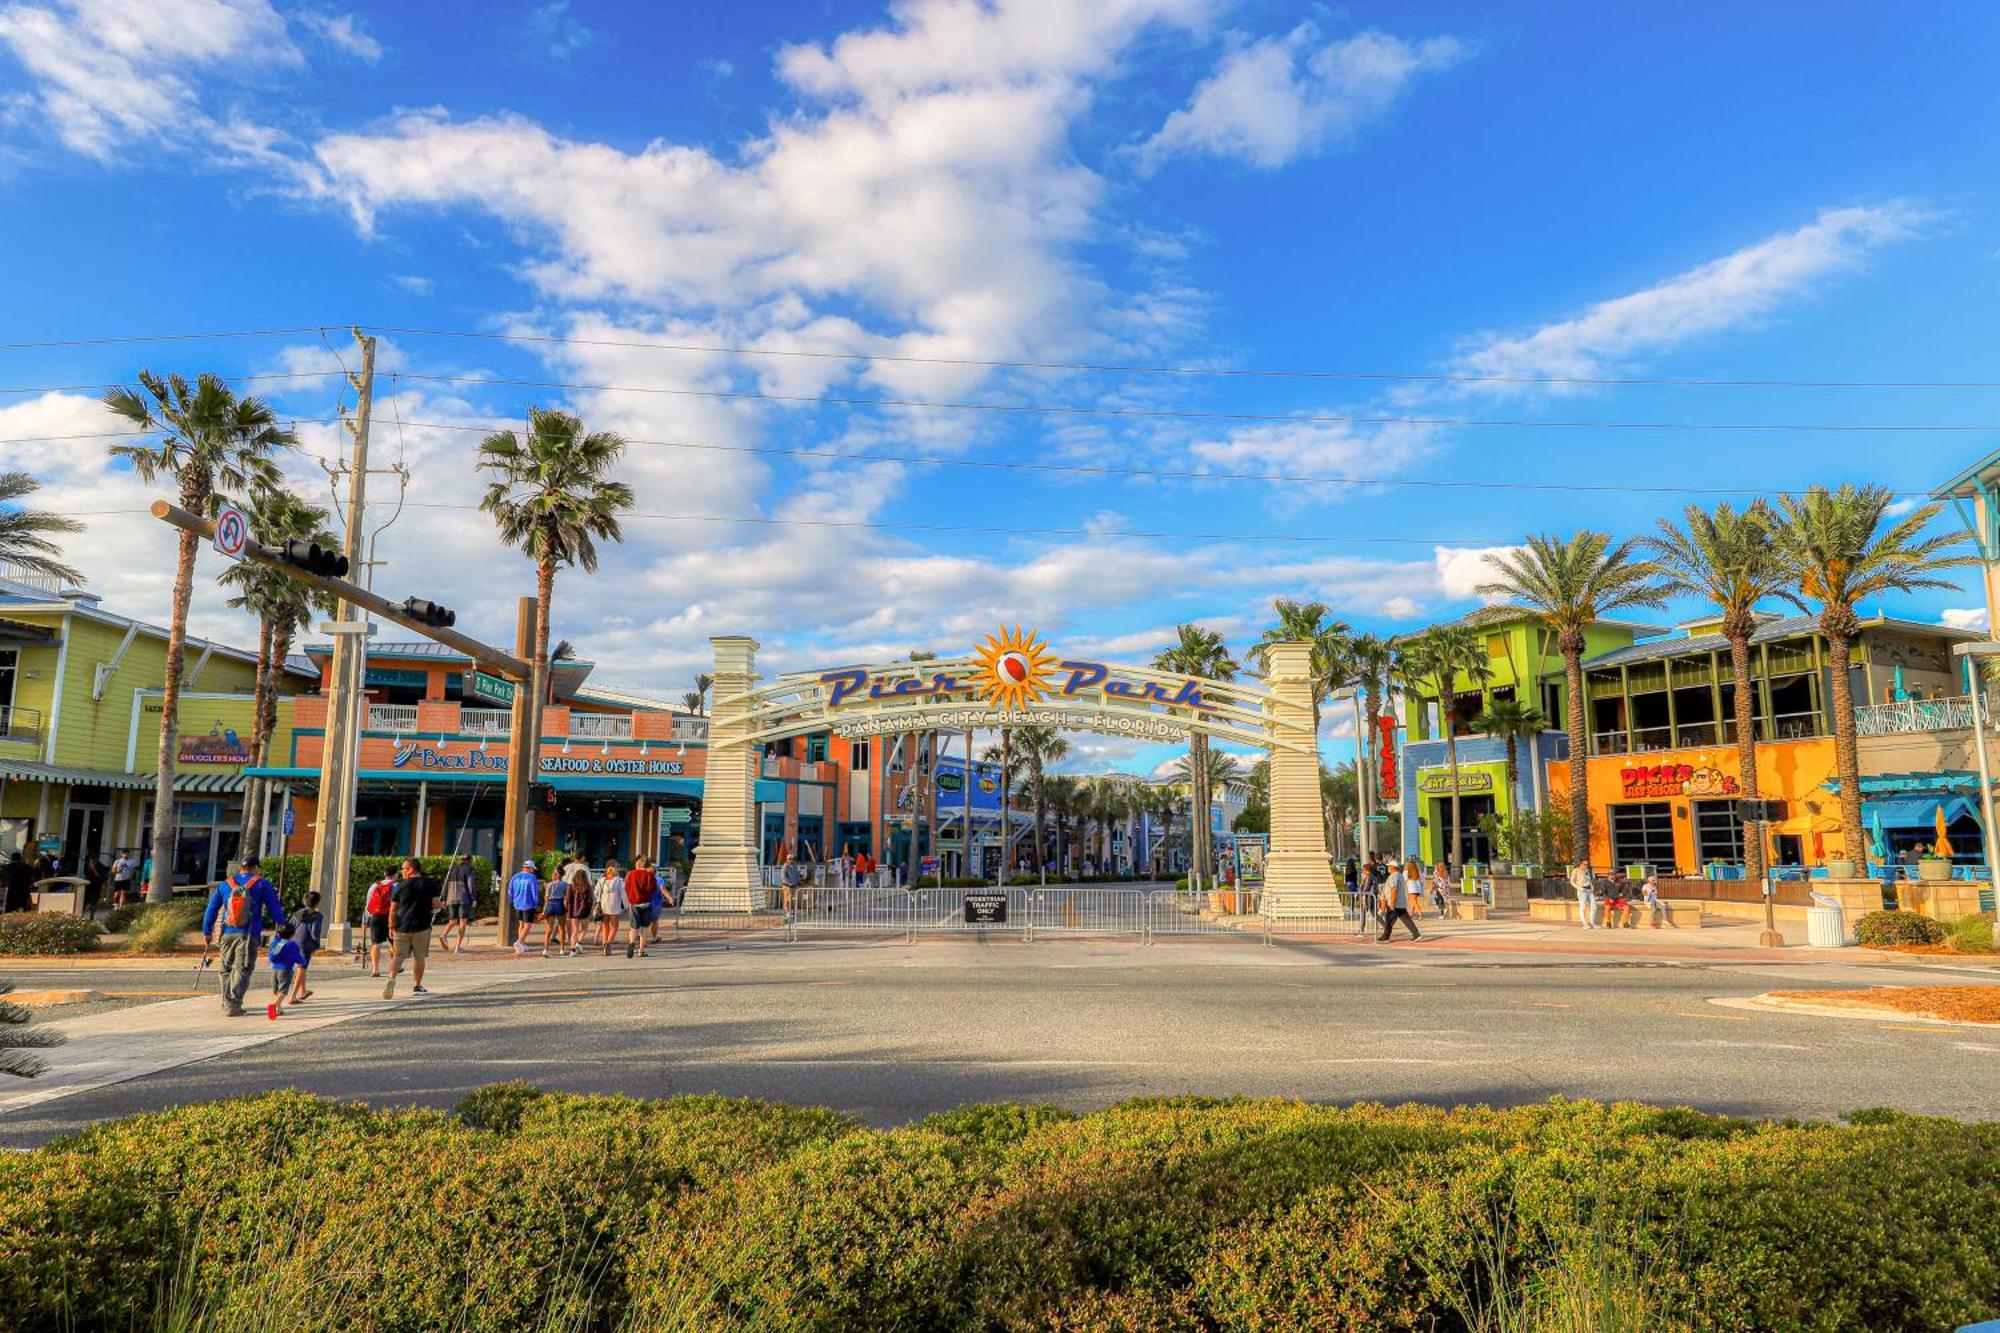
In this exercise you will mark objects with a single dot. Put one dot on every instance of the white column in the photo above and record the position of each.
(725, 865)
(1298, 877)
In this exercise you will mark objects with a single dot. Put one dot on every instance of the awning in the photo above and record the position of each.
(768, 789)
(1915, 811)
(14, 770)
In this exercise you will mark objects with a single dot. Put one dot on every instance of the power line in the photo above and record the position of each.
(113, 339)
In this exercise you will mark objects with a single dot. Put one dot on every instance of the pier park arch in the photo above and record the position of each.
(1012, 680)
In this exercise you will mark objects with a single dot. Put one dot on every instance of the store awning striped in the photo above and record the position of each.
(768, 789)
(18, 770)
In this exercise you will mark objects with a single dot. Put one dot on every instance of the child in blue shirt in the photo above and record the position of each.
(288, 965)
(311, 937)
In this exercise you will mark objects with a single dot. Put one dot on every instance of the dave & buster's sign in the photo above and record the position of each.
(1675, 780)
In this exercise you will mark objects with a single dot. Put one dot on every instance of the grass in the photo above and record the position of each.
(160, 927)
(1963, 1004)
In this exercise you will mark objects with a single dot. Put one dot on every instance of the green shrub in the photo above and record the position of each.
(1970, 934)
(293, 874)
(158, 927)
(119, 919)
(1883, 929)
(24, 934)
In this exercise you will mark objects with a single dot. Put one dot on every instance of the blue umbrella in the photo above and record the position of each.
(1878, 845)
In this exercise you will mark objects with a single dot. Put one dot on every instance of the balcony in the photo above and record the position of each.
(1908, 716)
(399, 718)
(486, 721)
(601, 726)
(1695, 735)
(20, 724)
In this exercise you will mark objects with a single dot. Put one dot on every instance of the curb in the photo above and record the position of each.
(1769, 1003)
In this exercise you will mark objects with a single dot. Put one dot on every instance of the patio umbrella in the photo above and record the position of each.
(1878, 842)
(1944, 838)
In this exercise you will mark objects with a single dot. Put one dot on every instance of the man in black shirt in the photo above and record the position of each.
(411, 904)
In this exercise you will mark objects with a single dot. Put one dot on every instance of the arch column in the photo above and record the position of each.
(1298, 872)
(725, 874)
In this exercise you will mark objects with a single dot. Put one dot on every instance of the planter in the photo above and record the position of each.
(1934, 870)
(1843, 869)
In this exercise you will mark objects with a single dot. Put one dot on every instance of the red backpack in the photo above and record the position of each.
(378, 896)
(236, 910)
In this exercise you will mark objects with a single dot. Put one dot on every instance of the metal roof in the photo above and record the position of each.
(1770, 631)
(14, 770)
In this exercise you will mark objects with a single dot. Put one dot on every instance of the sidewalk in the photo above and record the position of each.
(125, 1044)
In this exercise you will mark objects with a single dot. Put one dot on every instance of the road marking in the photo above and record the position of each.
(1731, 1018)
(1550, 1004)
(1746, 1045)
(1392, 1060)
(1912, 1027)
(1975, 1046)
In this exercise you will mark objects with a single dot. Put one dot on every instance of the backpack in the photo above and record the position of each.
(236, 911)
(378, 897)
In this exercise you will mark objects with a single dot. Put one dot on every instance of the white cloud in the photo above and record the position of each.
(1461, 569)
(1963, 617)
(414, 284)
(343, 32)
(105, 72)
(557, 32)
(1739, 288)
(1278, 99)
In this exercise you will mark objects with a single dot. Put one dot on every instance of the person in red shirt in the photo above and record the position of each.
(642, 897)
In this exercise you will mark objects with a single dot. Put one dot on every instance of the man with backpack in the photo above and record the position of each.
(240, 907)
(376, 910)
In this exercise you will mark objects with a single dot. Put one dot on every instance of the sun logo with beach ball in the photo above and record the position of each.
(1013, 668)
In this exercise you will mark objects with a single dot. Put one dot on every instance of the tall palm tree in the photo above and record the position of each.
(692, 701)
(27, 536)
(1307, 623)
(1339, 793)
(1370, 662)
(1835, 552)
(1511, 721)
(1728, 557)
(1036, 747)
(1062, 794)
(551, 497)
(210, 442)
(1570, 582)
(1437, 659)
(703, 682)
(283, 607)
(1198, 652)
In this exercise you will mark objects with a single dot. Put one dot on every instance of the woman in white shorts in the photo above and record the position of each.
(610, 904)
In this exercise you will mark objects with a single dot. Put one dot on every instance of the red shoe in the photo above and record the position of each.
(271, 1012)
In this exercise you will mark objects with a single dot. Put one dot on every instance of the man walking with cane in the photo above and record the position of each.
(240, 906)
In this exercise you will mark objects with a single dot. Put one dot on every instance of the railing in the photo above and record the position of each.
(392, 717)
(690, 728)
(1783, 727)
(1918, 715)
(20, 724)
(486, 721)
(606, 726)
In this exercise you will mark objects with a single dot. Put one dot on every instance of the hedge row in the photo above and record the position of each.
(530, 1210)
(1884, 929)
(25, 934)
(293, 874)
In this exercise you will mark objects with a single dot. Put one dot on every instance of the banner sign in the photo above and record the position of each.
(1675, 780)
(431, 759)
(1251, 851)
(219, 746)
(1386, 780)
(1439, 784)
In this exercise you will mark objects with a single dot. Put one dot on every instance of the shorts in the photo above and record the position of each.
(555, 908)
(281, 979)
(643, 917)
(459, 911)
(525, 914)
(413, 944)
(378, 929)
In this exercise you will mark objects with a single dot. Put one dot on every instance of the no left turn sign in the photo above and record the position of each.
(232, 532)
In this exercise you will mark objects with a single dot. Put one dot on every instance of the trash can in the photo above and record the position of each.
(1826, 924)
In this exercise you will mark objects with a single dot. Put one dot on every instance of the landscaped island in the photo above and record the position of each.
(540, 1211)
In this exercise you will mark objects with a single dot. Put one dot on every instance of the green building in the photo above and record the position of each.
(79, 730)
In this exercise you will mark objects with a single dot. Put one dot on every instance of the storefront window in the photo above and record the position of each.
(856, 837)
(858, 752)
(816, 748)
(1643, 832)
(1718, 833)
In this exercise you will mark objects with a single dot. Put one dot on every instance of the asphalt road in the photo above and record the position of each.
(891, 1032)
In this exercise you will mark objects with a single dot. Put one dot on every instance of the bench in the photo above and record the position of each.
(1681, 915)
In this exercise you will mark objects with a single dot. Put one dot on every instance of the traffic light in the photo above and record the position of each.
(325, 561)
(430, 613)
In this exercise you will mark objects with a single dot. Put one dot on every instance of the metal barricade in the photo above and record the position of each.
(1089, 910)
(942, 912)
(875, 911)
(1194, 912)
(1351, 919)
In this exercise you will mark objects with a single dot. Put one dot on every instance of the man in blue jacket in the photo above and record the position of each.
(524, 893)
(239, 908)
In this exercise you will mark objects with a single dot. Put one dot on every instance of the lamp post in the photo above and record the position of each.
(1981, 650)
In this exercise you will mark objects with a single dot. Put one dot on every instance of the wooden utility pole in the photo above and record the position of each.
(517, 838)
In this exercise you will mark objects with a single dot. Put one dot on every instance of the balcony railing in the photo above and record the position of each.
(1691, 735)
(392, 717)
(20, 724)
(486, 721)
(608, 726)
(1918, 715)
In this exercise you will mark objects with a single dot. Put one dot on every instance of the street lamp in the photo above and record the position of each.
(1979, 650)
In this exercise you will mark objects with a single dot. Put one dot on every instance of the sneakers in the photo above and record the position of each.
(271, 1011)
(389, 991)
(418, 990)
(631, 946)
(607, 951)
(520, 947)
(232, 1011)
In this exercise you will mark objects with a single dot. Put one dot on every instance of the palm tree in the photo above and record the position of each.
(1339, 792)
(1436, 659)
(1370, 662)
(1834, 552)
(1570, 582)
(551, 498)
(1730, 558)
(27, 535)
(1198, 652)
(1062, 794)
(283, 607)
(692, 701)
(702, 684)
(1307, 623)
(211, 442)
(1513, 722)
(1036, 747)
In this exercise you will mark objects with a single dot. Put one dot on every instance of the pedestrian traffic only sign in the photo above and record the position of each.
(232, 531)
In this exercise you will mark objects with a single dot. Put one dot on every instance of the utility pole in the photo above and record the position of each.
(517, 837)
(333, 838)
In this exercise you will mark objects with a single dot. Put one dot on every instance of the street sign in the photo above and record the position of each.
(291, 820)
(985, 909)
(232, 532)
(676, 814)
(489, 689)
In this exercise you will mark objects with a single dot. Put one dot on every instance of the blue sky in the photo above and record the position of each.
(1517, 192)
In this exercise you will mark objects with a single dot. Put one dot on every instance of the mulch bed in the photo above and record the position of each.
(1964, 1004)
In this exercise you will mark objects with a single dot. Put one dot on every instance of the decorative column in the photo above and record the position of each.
(1298, 873)
(725, 878)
